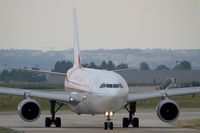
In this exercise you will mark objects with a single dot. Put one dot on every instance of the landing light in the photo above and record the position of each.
(106, 114)
(109, 114)
(71, 99)
(84, 97)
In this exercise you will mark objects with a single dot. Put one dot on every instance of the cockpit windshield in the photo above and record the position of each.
(108, 85)
(103, 86)
(111, 85)
(115, 85)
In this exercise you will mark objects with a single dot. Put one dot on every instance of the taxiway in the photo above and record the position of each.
(149, 123)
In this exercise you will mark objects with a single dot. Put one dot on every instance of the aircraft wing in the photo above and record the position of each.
(162, 93)
(39, 71)
(57, 96)
(126, 69)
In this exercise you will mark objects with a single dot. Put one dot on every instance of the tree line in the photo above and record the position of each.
(22, 76)
(182, 65)
(64, 66)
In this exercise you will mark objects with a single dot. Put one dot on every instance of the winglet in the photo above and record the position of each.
(77, 62)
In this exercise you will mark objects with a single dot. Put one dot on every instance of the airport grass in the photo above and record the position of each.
(192, 123)
(6, 130)
(10, 103)
(33, 86)
(186, 101)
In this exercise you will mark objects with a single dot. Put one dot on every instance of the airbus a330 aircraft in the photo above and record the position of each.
(91, 91)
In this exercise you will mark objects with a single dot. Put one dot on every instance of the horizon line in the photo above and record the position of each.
(68, 49)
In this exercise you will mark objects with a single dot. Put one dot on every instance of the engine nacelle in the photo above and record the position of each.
(29, 110)
(167, 110)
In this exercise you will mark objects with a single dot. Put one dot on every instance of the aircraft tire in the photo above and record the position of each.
(111, 126)
(125, 122)
(105, 125)
(135, 122)
(47, 122)
(58, 122)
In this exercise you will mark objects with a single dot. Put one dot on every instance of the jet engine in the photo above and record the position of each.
(29, 110)
(167, 110)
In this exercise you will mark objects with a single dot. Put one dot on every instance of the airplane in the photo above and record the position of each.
(92, 91)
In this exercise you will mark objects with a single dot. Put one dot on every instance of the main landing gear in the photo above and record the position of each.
(134, 121)
(108, 123)
(53, 120)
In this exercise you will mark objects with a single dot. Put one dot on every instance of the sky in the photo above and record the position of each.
(108, 24)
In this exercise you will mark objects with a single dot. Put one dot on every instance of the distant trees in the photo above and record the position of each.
(4, 76)
(86, 65)
(63, 67)
(162, 67)
(106, 65)
(22, 76)
(93, 65)
(122, 66)
(111, 65)
(144, 66)
(103, 65)
(183, 65)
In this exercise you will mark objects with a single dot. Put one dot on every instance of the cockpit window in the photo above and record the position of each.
(120, 85)
(108, 85)
(111, 85)
(115, 85)
(103, 86)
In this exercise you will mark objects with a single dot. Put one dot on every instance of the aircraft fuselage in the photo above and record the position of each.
(101, 91)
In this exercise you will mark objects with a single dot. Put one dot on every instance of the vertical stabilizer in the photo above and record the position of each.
(77, 62)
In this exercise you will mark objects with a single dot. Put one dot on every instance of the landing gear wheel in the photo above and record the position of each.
(105, 125)
(58, 122)
(108, 125)
(135, 122)
(47, 122)
(111, 126)
(125, 122)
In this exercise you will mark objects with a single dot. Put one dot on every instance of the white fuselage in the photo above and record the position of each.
(99, 90)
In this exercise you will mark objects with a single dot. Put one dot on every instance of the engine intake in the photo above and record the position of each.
(29, 110)
(167, 110)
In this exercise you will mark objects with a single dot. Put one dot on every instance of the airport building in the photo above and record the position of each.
(133, 76)
(158, 76)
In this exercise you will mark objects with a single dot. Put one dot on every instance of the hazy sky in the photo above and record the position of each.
(47, 24)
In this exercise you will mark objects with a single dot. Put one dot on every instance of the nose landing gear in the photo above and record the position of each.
(108, 123)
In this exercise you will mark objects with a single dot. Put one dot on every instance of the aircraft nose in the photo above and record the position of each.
(118, 96)
(118, 92)
(111, 99)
